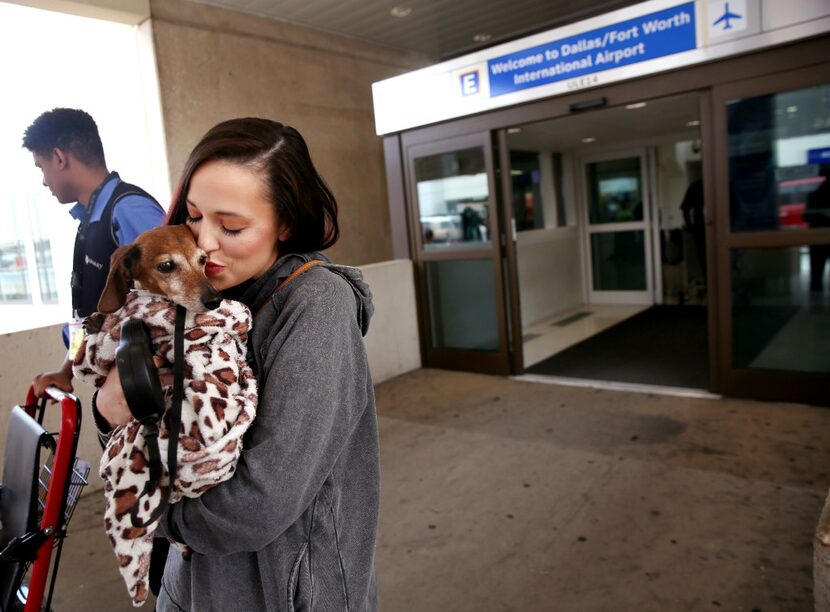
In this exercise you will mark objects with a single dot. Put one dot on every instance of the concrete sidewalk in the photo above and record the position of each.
(500, 494)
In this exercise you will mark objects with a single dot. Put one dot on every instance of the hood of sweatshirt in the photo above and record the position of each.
(256, 293)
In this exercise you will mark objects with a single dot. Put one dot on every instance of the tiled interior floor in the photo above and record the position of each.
(546, 338)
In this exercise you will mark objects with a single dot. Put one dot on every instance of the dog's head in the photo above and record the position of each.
(163, 260)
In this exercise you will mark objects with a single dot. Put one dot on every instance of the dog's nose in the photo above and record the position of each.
(211, 301)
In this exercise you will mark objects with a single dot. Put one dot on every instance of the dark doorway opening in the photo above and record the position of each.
(663, 345)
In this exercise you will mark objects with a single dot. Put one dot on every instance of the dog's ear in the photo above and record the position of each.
(123, 264)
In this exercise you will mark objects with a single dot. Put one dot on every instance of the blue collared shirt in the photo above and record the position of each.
(128, 221)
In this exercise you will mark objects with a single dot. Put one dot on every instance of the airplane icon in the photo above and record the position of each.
(726, 17)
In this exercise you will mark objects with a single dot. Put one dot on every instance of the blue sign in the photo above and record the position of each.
(629, 42)
(818, 156)
(469, 83)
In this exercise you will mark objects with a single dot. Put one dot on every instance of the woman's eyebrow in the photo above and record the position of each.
(221, 213)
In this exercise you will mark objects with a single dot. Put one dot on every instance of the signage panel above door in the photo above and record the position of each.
(635, 41)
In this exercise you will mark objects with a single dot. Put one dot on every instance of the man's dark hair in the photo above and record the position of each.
(68, 129)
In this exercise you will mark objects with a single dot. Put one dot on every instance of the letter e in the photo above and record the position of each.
(469, 83)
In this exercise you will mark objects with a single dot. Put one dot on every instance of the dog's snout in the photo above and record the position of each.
(211, 302)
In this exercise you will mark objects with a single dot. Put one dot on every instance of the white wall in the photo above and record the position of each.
(549, 261)
(392, 342)
(392, 346)
(550, 272)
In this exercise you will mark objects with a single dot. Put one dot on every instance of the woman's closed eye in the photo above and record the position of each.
(190, 220)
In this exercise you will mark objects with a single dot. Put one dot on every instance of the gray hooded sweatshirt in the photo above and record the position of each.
(294, 529)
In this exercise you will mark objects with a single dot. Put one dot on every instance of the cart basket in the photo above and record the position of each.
(42, 481)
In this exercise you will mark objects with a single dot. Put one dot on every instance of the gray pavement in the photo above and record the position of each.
(500, 495)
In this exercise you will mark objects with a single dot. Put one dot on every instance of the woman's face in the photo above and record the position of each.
(233, 221)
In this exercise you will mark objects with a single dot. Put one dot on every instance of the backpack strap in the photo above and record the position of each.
(121, 191)
(299, 271)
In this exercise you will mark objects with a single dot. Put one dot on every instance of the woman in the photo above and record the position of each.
(294, 528)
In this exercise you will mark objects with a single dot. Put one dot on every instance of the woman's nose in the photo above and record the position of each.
(206, 240)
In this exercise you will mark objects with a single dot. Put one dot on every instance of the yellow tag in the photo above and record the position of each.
(76, 337)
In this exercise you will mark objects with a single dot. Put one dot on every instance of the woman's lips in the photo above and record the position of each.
(212, 269)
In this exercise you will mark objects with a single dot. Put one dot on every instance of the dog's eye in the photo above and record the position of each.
(203, 260)
(166, 266)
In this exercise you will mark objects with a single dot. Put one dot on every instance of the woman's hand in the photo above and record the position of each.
(62, 379)
(111, 402)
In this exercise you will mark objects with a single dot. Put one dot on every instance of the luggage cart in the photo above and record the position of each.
(42, 481)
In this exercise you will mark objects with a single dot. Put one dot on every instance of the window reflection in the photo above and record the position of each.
(14, 282)
(779, 154)
(525, 175)
(615, 193)
(780, 320)
(43, 252)
(453, 199)
(462, 306)
(24, 241)
(618, 261)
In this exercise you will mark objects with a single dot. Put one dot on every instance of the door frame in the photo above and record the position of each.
(645, 296)
(489, 362)
(761, 384)
(799, 56)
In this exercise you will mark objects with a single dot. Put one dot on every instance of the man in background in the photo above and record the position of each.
(65, 145)
(692, 207)
(817, 214)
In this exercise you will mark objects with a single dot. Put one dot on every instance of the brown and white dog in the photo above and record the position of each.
(220, 397)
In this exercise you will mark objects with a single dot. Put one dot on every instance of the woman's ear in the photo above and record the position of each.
(123, 265)
(283, 233)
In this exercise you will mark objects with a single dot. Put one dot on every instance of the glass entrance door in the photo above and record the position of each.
(617, 221)
(455, 230)
(772, 138)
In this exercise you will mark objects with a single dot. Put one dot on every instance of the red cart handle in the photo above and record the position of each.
(55, 504)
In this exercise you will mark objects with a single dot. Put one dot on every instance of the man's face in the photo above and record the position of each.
(55, 176)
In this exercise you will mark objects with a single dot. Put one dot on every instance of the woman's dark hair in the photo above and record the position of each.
(303, 201)
(68, 129)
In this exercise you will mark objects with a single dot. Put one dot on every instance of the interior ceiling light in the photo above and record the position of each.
(589, 139)
(400, 11)
(482, 37)
(792, 109)
(635, 105)
(514, 130)
(692, 123)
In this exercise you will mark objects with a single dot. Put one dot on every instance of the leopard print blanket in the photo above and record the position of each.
(219, 404)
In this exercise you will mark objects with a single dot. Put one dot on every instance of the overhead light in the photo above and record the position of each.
(635, 105)
(589, 139)
(792, 109)
(482, 37)
(692, 123)
(514, 130)
(400, 11)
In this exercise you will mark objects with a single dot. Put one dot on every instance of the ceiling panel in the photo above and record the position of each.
(440, 29)
(613, 127)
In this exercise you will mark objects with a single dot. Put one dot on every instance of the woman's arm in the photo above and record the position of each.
(110, 402)
(315, 389)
